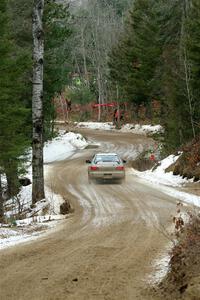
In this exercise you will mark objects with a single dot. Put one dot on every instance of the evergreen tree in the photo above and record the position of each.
(57, 50)
(13, 114)
(57, 30)
(180, 105)
(118, 5)
(193, 50)
(133, 61)
(172, 100)
(158, 57)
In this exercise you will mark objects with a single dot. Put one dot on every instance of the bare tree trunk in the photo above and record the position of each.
(1, 202)
(84, 57)
(186, 64)
(12, 179)
(77, 65)
(37, 102)
(99, 97)
(189, 94)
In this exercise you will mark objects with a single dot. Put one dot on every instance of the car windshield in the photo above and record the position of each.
(106, 158)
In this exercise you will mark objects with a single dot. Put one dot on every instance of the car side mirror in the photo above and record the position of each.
(124, 161)
(88, 161)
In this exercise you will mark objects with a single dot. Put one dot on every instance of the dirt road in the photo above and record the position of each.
(106, 249)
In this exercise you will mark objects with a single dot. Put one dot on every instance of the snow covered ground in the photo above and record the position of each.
(63, 146)
(167, 182)
(134, 128)
(96, 125)
(159, 176)
(46, 213)
(161, 266)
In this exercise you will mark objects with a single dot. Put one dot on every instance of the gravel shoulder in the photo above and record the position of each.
(106, 249)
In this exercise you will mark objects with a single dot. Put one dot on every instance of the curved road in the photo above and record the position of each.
(106, 249)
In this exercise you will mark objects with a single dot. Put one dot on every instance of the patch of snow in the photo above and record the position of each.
(50, 205)
(96, 125)
(46, 213)
(63, 146)
(5, 232)
(15, 239)
(27, 230)
(161, 264)
(167, 182)
(183, 196)
(39, 220)
(134, 128)
(161, 267)
(141, 129)
(159, 176)
(60, 148)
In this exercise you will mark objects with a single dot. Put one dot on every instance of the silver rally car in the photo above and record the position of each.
(106, 166)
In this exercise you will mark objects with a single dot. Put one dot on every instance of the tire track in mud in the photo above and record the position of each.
(104, 251)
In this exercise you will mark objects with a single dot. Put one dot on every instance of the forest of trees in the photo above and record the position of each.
(16, 65)
(97, 26)
(137, 50)
(157, 57)
(140, 51)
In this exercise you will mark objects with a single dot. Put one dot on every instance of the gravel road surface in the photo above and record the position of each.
(106, 249)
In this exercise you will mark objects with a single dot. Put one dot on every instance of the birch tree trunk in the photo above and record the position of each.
(37, 102)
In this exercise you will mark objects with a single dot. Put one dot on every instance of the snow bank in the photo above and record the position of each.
(60, 148)
(43, 216)
(96, 125)
(167, 182)
(134, 128)
(63, 146)
(159, 176)
(51, 204)
(141, 129)
(161, 266)
(26, 230)
(46, 213)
